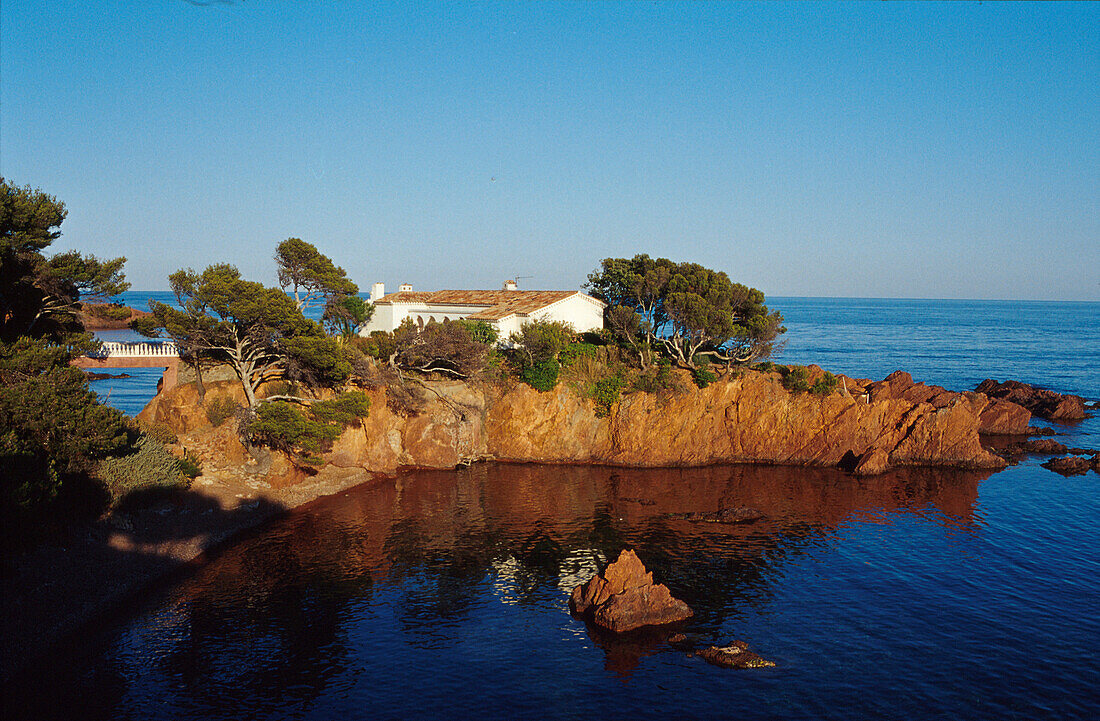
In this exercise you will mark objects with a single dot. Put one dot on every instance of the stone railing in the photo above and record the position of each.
(150, 349)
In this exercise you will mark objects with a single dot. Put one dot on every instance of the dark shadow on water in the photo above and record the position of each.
(59, 591)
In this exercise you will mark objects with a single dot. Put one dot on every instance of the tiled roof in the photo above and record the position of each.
(498, 303)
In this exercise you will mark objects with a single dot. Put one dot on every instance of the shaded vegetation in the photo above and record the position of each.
(306, 431)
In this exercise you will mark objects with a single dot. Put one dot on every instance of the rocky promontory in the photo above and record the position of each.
(866, 427)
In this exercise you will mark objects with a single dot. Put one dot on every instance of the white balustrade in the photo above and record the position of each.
(152, 349)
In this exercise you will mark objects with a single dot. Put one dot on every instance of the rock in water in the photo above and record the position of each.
(1070, 465)
(624, 598)
(1043, 403)
(736, 655)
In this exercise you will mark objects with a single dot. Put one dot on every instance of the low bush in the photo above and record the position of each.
(825, 385)
(657, 378)
(109, 311)
(764, 367)
(148, 466)
(219, 408)
(703, 376)
(606, 393)
(479, 331)
(796, 379)
(158, 432)
(542, 376)
(190, 464)
(573, 351)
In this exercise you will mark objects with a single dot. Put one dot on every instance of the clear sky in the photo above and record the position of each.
(879, 150)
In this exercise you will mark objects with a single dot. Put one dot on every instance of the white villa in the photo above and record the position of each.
(505, 309)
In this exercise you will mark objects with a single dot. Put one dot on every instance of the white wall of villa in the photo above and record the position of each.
(507, 310)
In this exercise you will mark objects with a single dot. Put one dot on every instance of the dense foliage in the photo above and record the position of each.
(685, 309)
(53, 430)
(453, 348)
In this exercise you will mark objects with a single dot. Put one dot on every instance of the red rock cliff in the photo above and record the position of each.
(749, 419)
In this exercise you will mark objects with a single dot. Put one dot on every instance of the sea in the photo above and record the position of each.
(923, 593)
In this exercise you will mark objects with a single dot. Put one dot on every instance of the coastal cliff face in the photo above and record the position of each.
(868, 428)
(750, 419)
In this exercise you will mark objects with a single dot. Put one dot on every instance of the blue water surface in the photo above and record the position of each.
(440, 594)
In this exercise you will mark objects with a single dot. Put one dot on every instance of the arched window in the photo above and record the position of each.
(420, 321)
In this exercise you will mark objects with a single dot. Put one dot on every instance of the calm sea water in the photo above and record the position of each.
(922, 594)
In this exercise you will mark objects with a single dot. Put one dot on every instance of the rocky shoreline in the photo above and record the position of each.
(866, 427)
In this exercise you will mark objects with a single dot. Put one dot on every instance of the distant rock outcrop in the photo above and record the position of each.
(106, 316)
(623, 598)
(1042, 403)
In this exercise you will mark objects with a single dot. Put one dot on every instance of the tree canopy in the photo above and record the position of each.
(259, 331)
(39, 295)
(311, 276)
(53, 430)
(685, 309)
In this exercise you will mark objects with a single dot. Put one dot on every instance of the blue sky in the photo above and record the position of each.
(877, 150)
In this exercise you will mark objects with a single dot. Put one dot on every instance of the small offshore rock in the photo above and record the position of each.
(1069, 466)
(1041, 431)
(736, 655)
(623, 598)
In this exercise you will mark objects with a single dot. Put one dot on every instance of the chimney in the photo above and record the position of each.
(405, 288)
(510, 285)
(377, 291)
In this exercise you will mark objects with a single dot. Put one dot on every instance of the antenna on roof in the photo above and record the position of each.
(519, 277)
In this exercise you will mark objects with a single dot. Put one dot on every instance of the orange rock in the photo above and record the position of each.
(624, 597)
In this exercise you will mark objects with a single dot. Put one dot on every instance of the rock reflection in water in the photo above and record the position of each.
(536, 532)
(412, 572)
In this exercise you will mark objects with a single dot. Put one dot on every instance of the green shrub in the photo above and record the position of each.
(703, 376)
(149, 466)
(479, 331)
(219, 408)
(606, 393)
(542, 376)
(343, 410)
(796, 379)
(573, 351)
(306, 432)
(190, 464)
(764, 367)
(825, 385)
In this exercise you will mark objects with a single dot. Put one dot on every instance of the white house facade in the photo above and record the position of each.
(507, 310)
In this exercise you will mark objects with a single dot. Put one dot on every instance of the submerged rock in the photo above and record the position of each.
(736, 655)
(741, 514)
(1042, 403)
(624, 598)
